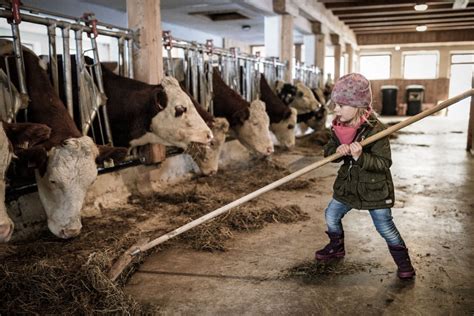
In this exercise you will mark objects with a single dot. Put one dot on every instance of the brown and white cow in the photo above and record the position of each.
(207, 157)
(141, 113)
(67, 160)
(282, 117)
(297, 96)
(249, 122)
(15, 136)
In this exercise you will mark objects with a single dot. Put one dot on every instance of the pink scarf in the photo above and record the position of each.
(347, 133)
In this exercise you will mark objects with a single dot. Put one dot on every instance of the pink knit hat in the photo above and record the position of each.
(352, 90)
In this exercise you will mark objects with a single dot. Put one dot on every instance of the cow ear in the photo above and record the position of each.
(24, 135)
(36, 157)
(117, 154)
(159, 98)
(239, 117)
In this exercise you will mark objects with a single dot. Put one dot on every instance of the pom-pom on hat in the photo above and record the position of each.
(353, 90)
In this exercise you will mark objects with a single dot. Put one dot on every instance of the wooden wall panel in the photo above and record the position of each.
(435, 90)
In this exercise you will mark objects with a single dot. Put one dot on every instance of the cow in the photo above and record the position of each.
(15, 137)
(67, 161)
(134, 110)
(142, 113)
(248, 121)
(207, 157)
(297, 96)
(314, 119)
(282, 117)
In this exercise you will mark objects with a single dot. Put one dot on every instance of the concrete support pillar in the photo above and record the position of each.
(320, 51)
(279, 40)
(396, 65)
(350, 58)
(298, 52)
(315, 47)
(444, 63)
(145, 16)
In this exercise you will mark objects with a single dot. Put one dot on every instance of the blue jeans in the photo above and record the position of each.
(382, 219)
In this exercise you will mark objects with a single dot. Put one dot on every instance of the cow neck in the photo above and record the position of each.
(130, 106)
(227, 102)
(45, 105)
(274, 106)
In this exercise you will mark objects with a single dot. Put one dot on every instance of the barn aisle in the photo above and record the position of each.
(266, 272)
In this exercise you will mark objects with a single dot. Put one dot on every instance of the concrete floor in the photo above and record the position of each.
(434, 179)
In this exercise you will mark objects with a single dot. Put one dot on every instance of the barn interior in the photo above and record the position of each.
(185, 206)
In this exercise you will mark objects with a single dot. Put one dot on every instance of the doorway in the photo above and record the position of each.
(462, 71)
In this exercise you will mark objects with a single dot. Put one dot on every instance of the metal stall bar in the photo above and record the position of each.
(121, 55)
(53, 56)
(168, 45)
(130, 58)
(15, 19)
(67, 71)
(102, 111)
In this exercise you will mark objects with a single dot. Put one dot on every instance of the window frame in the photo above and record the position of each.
(421, 52)
(377, 54)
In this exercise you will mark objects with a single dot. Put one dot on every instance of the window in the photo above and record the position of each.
(420, 65)
(462, 58)
(260, 49)
(329, 67)
(375, 66)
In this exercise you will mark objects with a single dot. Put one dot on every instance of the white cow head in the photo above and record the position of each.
(285, 130)
(71, 169)
(298, 96)
(207, 157)
(254, 132)
(6, 224)
(304, 100)
(178, 122)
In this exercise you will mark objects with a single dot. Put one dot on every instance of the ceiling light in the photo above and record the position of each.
(421, 28)
(421, 7)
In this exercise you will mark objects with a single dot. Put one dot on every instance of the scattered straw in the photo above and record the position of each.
(52, 276)
(314, 270)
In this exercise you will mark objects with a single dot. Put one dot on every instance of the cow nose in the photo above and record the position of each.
(6, 231)
(69, 232)
(269, 150)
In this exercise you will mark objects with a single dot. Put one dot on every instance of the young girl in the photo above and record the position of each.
(364, 180)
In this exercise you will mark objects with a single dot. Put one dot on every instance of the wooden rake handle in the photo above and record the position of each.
(138, 249)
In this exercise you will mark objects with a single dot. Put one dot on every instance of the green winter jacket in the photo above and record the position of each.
(365, 183)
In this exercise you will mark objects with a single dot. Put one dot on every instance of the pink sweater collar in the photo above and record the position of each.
(347, 133)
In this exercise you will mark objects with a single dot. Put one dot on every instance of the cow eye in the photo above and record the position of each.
(291, 126)
(179, 110)
(299, 94)
(52, 181)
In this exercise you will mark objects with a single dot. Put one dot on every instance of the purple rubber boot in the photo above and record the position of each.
(335, 248)
(402, 259)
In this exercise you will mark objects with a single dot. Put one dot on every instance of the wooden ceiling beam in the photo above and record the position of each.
(377, 4)
(412, 17)
(411, 27)
(404, 13)
(412, 30)
(399, 10)
(385, 38)
(417, 22)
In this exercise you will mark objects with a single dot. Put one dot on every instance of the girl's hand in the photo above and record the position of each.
(343, 149)
(356, 150)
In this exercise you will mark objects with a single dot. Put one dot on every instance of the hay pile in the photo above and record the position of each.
(52, 276)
